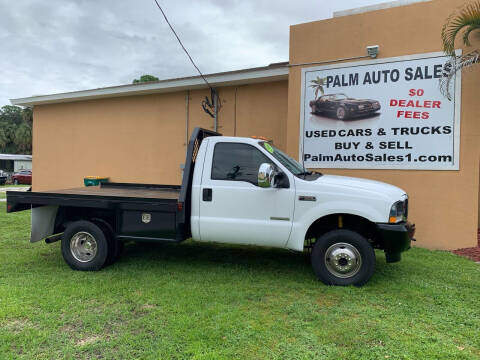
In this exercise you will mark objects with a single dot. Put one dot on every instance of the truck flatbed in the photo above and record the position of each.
(116, 190)
(127, 211)
(136, 210)
(107, 195)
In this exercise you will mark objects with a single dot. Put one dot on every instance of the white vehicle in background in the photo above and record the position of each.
(3, 177)
(237, 191)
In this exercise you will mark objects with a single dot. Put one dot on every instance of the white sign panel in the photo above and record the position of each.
(380, 114)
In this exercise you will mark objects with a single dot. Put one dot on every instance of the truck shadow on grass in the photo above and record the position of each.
(213, 254)
(206, 257)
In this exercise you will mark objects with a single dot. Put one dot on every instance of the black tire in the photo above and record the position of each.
(353, 264)
(93, 260)
(341, 113)
(115, 247)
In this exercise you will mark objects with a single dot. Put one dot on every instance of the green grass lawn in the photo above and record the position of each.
(165, 301)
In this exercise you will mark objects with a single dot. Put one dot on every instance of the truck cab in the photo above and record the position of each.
(246, 191)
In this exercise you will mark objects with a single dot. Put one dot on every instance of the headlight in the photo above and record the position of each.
(398, 212)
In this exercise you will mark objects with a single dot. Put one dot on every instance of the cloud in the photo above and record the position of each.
(56, 46)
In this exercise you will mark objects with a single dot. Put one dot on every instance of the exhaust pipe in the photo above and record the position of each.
(53, 238)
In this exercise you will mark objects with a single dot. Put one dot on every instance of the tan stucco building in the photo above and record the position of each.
(138, 133)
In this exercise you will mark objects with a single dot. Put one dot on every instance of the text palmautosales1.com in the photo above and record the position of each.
(383, 158)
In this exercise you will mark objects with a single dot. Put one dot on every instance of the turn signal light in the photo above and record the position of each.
(392, 220)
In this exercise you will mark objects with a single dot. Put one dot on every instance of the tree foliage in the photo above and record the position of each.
(464, 21)
(145, 78)
(15, 130)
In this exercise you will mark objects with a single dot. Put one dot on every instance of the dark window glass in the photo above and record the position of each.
(237, 162)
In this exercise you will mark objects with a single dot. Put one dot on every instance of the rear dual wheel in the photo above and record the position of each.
(115, 247)
(88, 246)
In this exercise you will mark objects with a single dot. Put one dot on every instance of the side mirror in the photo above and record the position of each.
(266, 175)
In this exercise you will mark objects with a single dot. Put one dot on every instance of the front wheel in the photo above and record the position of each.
(84, 246)
(15, 182)
(343, 257)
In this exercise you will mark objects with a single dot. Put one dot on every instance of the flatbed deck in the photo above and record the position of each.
(117, 190)
(106, 196)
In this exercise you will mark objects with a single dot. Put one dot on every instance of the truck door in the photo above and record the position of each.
(233, 208)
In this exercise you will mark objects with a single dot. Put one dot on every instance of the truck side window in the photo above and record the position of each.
(237, 162)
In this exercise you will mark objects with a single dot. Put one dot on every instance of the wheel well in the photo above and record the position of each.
(67, 215)
(359, 224)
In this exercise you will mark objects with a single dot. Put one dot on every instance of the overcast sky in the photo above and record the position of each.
(65, 45)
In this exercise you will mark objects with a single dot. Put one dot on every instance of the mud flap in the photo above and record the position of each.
(43, 222)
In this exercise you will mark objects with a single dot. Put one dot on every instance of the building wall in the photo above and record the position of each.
(248, 110)
(143, 138)
(444, 204)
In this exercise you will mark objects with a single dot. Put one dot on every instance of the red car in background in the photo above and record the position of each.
(22, 177)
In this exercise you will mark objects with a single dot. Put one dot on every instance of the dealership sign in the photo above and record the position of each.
(380, 114)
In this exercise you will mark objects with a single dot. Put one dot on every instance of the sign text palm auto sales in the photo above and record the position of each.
(387, 114)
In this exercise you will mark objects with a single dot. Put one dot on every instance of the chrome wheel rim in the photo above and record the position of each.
(343, 260)
(83, 246)
(340, 113)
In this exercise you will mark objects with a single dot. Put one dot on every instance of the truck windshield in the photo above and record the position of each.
(291, 164)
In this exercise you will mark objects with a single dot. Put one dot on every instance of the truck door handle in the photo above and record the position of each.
(207, 194)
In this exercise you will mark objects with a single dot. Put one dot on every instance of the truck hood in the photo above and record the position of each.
(381, 188)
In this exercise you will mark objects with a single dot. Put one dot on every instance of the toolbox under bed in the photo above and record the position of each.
(137, 211)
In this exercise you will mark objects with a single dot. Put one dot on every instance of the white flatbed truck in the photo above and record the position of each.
(236, 191)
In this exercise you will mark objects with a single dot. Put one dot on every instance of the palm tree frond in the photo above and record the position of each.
(466, 35)
(451, 67)
(468, 16)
